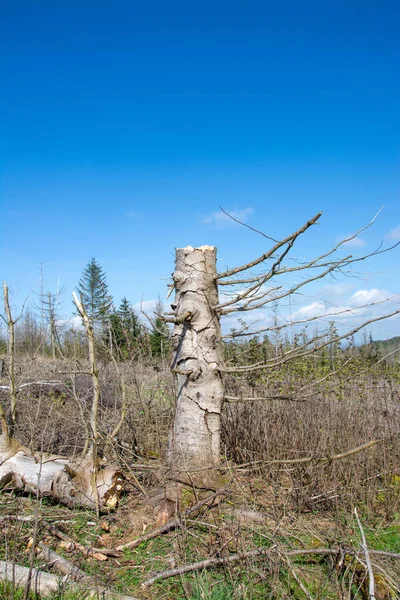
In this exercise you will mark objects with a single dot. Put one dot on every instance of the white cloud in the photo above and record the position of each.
(394, 234)
(148, 306)
(356, 242)
(220, 219)
(74, 323)
(356, 305)
(315, 309)
(368, 296)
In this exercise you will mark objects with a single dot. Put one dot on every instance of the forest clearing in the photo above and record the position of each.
(200, 300)
(144, 461)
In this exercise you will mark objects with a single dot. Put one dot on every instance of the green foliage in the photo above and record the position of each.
(160, 335)
(93, 293)
(125, 328)
(384, 538)
(384, 347)
(321, 362)
(207, 589)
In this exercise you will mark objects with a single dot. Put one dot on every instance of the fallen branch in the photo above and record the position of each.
(26, 519)
(172, 523)
(46, 585)
(24, 385)
(97, 553)
(66, 480)
(212, 562)
(61, 564)
(65, 567)
(272, 551)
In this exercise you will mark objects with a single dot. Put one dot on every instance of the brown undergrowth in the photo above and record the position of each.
(283, 506)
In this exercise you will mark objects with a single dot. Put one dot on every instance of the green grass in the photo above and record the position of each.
(255, 579)
(384, 538)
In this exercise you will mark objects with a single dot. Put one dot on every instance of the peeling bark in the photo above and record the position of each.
(195, 437)
(69, 481)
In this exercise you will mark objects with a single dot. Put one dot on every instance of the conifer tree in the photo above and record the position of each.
(94, 295)
(129, 318)
(125, 327)
(159, 337)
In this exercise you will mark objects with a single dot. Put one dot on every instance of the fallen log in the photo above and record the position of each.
(47, 585)
(74, 482)
(61, 564)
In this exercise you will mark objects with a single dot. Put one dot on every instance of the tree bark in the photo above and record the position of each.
(195, 437)
(69, 481)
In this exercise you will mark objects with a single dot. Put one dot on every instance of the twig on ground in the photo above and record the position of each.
(257, 552)
(61, 564)
(97, 553)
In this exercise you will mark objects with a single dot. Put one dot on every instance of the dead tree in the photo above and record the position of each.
(80, 481)
(11, 356)
(195, 436)
(194, 445)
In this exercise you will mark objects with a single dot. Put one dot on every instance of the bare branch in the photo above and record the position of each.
(93, 372)
(152, 322)
(299, 353)
(371, 580)
(11, 366)
(254, 301)
(248, 226)
(288, 240)
(257, 552)
(296, 461)
(248, 306)
(324, 316)
(177, 320)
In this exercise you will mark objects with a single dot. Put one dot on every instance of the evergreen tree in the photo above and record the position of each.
(129, 319)
(94, 295)
(125, 327)
(159, 337)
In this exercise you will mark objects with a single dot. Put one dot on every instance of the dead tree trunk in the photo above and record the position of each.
(78, 481)
(11, 359)
(66, 480)
(195, 437)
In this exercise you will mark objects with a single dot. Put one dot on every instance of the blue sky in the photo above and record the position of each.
(124, 125)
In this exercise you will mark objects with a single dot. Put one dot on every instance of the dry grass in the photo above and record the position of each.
(288, 505)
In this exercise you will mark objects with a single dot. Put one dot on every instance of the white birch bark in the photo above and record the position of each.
(195, 436)
(66, 480)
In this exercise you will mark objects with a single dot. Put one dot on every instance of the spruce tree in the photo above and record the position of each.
(129, 319)
(125, 327)
(160, 335)
(94, 294)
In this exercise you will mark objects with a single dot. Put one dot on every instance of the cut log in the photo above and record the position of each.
(46, 585)
(69, 481)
